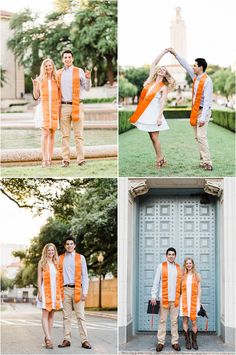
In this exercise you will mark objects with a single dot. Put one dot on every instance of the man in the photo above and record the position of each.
(166, 287)
(201, 105)
(72, 82)
(74, 286)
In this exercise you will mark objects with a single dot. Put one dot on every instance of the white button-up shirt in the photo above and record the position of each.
(172, 280)
(66, 83)
(69, 271)
(206, 99)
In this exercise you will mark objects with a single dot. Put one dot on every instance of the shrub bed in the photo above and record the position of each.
(101, 100)
(224, 118)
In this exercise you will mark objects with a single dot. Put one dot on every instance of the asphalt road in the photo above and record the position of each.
(21, 333)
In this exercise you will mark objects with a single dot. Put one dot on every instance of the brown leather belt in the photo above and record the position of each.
(69, 286)
(69, 102)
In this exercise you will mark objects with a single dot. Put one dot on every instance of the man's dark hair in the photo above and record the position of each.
(69, 238)
(171, 249)
(201, 62)
(66, 51)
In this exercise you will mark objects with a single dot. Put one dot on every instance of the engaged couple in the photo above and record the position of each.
(179, 293)
(63, 284)
(149, 117)
(60, 103)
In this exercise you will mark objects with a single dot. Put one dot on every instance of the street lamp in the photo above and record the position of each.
(100, 261)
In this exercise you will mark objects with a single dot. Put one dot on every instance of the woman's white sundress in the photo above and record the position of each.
(148, 120)
(53, 274)
(189, 292)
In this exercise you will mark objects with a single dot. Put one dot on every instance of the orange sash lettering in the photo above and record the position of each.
(164, 276)
(75, 92)
(196, 103)
(47, 288)
(78, 276)
(50, 122)
(193, 307)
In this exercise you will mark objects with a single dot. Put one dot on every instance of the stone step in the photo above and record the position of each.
(30, 156)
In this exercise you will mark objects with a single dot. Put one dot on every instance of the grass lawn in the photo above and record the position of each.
(30, 138)
(137, 157)
(93, 168)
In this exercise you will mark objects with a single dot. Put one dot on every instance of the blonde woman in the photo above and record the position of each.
(46, 91)
(148, 116)
(190, 301)
(49, 292)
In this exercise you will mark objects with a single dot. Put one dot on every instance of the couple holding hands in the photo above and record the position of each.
(63, 284)
(60, 101)
(179, 292)
(148, 115)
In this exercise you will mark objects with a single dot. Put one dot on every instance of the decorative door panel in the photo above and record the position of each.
(188, 226)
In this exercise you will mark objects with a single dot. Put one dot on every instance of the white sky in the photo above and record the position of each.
(41, 6)
(144, 30)
(18, 224)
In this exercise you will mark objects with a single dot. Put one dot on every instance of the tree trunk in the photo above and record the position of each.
(110, 74)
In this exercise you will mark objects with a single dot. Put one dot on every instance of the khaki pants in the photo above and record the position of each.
(78, 127)
(200, 134)
(161, 333)
(68, 303)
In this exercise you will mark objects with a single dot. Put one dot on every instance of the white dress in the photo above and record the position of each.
(189, 292)
(53, 274)
(38, 115)
(148, 120)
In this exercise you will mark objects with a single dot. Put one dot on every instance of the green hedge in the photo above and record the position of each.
(224, 118)
(97, 101)
(124, 115)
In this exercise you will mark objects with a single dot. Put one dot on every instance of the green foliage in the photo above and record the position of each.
(94, 35)
(224, 82)
(84, 208)
(224, 118)
(101, 100)
(5, 282)
(88, 29)
(124, 124)
(3, 76)
(126, 89)
(136, 76)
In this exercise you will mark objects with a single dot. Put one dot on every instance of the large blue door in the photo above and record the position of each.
(187, 225)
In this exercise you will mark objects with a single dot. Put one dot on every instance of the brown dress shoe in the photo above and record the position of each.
(159, 347)
(82, 163)
(86, 345)
(176, 347)
(64, 344)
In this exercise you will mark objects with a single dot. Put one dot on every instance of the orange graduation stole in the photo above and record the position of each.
(75, 92)
(78, 276)
(145, 99)
(47, 288)
(164, 276)
(193, 308)
(47, 122)
(196, 103)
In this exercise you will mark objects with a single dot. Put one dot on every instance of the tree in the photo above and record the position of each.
(224, 82)
(94, 34)
(126, 89)
(137, 76)
(3, 76)
(84, 208)
(5, 282)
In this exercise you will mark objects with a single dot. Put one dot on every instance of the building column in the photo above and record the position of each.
(228, 264)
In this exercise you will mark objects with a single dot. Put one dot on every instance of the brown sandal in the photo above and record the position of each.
(160, 163)
(49, 344)
(208, 167)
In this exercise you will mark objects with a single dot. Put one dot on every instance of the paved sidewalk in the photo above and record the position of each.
(146, 344)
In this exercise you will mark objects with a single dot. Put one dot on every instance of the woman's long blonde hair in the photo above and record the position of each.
(44, 259)
(42, 75)
(194, 271)
(168, 79)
